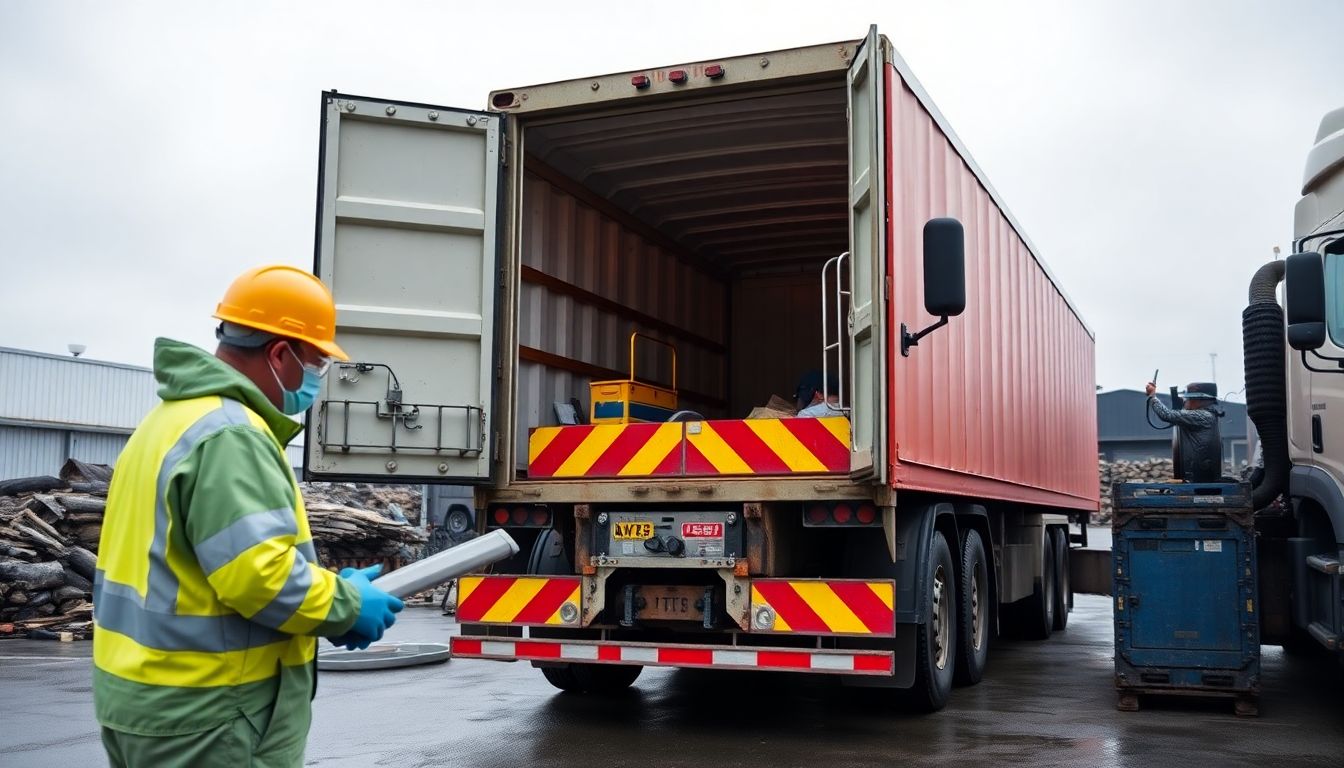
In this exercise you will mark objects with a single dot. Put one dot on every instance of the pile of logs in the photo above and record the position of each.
(1148, 471)
(349, 535)
(49, 529)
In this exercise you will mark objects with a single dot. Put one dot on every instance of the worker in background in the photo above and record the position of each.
(209, 598)
(1201, 447)
(816, 397)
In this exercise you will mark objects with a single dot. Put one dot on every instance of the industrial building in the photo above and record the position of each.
(55, 407)
(1124, 434)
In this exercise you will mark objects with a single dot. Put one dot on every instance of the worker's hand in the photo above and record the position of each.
(377, 609)
(1150, 389)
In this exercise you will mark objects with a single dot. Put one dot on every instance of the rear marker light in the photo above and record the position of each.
(540, 517)
(640, 81)
(519, 516)
(817, 515)
(678, 76)
(866, 514)
(714, 71)
(501, 516)
(842, 513)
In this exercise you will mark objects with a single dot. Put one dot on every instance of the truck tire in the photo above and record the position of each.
(1038, 616)
(563, 678)
(1063, 590)
(549, 557)
(936, 641)
(606, 678)
(974, 599)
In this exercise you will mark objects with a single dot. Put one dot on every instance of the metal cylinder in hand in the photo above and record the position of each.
(445, 566)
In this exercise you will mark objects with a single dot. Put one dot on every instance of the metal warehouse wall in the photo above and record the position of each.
(54, 408)
(26, 451)
(40, 389)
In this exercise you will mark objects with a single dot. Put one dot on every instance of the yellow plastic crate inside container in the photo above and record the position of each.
(626, 401)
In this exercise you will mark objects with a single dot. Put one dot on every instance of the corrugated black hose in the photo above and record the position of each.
(1266, 380)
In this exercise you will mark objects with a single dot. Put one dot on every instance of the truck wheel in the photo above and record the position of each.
(563, 678)
(606, 678)
(975, 597)
(591, 678)
(936, 643)
(1036, 614)
(1063, 592)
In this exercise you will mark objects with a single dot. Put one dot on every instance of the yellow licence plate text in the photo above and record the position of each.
(634, 531)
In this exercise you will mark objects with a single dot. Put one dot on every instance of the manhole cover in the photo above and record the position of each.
(382, 656)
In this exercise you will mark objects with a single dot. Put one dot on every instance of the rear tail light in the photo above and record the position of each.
(824, 514)
(678, 76)
(865, 514)
(530, 516)
(640, 81)
(714, 71)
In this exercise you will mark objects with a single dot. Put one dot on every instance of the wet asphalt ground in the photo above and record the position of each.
(1041, 704)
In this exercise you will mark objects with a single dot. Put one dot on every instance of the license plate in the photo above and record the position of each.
(632, 531)
(671, 603)
(702, 530)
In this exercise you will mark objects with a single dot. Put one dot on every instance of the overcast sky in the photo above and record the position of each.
(1153, 151)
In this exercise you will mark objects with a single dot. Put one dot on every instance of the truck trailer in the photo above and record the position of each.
(576, 300)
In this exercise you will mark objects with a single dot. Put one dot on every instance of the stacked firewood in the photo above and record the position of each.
(1146, 471)
(349, 535)
(49, 529)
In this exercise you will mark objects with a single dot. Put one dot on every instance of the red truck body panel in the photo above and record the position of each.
(1000, 404)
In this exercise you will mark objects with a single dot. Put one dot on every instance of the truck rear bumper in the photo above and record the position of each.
(821, 661)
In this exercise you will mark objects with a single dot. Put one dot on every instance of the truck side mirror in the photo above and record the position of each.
(944, 268)
(944, 277)
(1304, 280)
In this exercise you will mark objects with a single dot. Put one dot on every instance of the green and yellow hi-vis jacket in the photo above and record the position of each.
(208, 596)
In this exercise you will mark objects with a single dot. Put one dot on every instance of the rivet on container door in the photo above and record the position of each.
(764, 62)
(433, 115)
(443, 469)
(471, 120)
(349, 106)
(391, 110)
(391, 466)
(596, 85)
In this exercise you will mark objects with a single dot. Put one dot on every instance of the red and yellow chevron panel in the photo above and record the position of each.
(693, 448)
(520, 600)
(824, 607)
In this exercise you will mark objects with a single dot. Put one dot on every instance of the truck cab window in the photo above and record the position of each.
(1334, 291)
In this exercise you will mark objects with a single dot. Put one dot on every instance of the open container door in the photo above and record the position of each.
(407, 242)
(868, 257)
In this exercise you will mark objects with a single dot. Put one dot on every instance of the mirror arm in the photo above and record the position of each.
(909, 339)
(1338, 361)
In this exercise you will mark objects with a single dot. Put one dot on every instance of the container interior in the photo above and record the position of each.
(705, 224)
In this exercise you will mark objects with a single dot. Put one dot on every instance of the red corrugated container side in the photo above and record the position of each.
(1001, 404)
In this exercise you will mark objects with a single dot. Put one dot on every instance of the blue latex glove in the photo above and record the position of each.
(377, 609)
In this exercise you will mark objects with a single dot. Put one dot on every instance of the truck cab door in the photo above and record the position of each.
(407, 241)
(867, 116)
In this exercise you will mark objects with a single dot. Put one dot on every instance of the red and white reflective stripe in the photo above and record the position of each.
(844, 662)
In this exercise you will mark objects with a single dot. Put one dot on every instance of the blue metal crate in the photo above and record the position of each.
(1184, 582)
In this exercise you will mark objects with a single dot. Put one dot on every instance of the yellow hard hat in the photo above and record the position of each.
(285, 301)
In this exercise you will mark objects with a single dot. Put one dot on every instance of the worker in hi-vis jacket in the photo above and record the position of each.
(209, 598)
